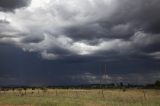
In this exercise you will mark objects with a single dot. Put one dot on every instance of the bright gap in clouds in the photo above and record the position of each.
(43, 3)
(38, 3)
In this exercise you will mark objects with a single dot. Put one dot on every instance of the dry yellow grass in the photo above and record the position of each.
(74, 97)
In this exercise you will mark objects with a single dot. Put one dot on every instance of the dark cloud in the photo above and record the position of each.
(3, 21)
(74, 43)
(141, 13)
(10, 5)
(30, 69)
(32, 39)
(129, 17)
(136, 22)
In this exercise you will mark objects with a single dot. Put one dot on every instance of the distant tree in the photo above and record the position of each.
(20, 91)
(38, 90)
(33, 88)
(121, 84)
(44, 89)
(25, 90)
(4, 90)
(13, 89)
(157, 83)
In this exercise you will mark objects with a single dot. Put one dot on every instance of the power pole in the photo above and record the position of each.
(103, 80)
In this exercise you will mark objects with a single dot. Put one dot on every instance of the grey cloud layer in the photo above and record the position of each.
(71, 39)
(10, 5)
(89, 27)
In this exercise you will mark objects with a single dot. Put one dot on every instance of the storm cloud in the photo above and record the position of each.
(86, 32)
(11, 5)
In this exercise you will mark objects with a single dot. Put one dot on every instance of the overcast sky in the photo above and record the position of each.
(57, 42)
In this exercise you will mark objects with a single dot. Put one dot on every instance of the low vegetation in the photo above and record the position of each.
(79, 97)
(82, 95)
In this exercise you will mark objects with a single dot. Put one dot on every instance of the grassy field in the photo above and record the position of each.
(73, 97)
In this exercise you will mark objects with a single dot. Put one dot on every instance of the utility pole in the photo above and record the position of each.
(103, 80)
